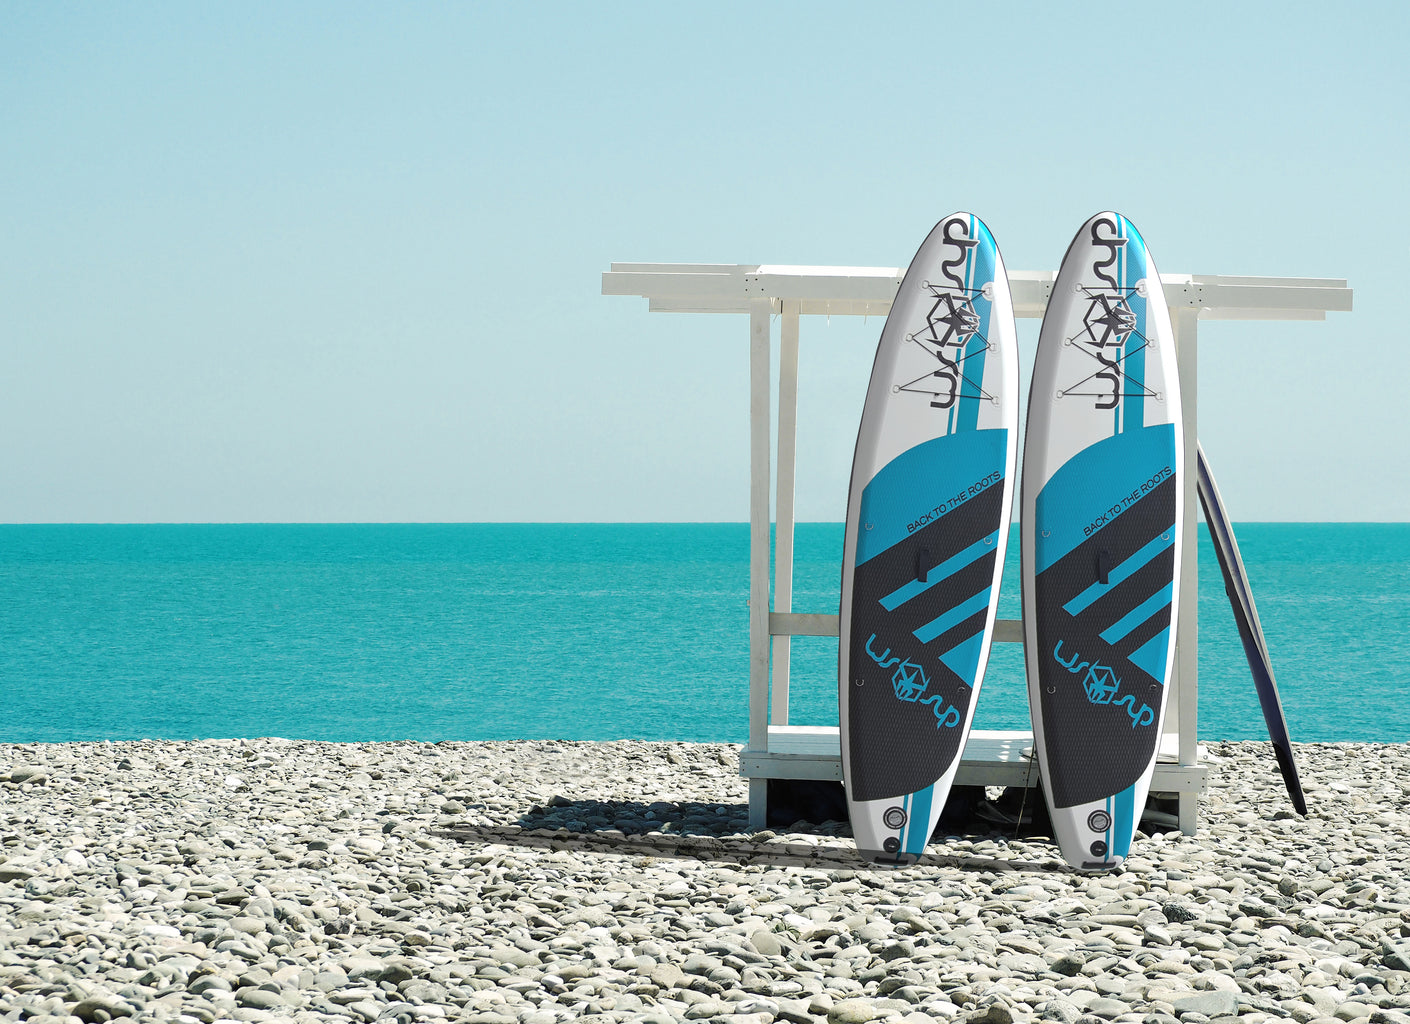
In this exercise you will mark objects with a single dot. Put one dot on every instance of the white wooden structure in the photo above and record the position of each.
(778, 750)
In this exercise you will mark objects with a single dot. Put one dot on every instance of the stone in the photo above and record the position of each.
(207, 982)
(1395, 956)
(1353, 1010)
(260, 999)
(102, 1007)
(995, 1013)
(1154, 935)
(1060, 1010)
(1210, 1004)
(665, 976)
(1105, 1007)
(853, 1011)
(363, 968)
(765, 943)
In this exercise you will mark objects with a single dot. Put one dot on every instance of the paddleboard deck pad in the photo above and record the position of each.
(1260, 663)
(1101, 519)
(927, 525)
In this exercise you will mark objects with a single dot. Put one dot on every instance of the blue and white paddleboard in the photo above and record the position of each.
(927, 525)
(1101, 518)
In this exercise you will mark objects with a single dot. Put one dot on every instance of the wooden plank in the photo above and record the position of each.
(681, 268)
(872, 288)
(759, 344)
(983, 744)
(783, 504)
(1186, 695)
(1271, 282)
(796, 624)
(1031, 291)
(1006, 631)
(868, 291)
(990, 758)
(1203, 294)
(675, 285)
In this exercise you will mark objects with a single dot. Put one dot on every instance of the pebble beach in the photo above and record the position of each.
(536, 882)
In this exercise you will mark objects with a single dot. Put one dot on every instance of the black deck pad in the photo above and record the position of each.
(1101, 712)
(906, 708)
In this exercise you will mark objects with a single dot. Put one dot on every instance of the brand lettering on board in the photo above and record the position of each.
(1102, 685)
(951, 320)
(909, 682)
(1109, 319)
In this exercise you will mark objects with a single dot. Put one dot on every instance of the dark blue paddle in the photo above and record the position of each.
(1236, 585)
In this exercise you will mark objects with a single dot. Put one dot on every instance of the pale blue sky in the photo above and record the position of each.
(337, 262)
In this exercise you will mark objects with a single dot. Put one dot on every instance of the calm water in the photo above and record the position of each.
(576, 632)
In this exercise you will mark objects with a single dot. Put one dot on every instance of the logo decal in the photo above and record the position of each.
(1111, 243)
(910, 682)
(949, 324)
(1108, 321)
(1108, 325)
(960, 241)
(1101, 685)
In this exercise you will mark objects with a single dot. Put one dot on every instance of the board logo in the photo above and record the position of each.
(909, 682)
(1108, 323)
(950, 322)
(1101, 685)
(1112, 243)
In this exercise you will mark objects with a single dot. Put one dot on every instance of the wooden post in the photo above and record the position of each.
(1185, 320)
(783, 506)
(759, 345)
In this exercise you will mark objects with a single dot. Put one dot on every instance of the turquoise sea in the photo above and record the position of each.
(351, 632)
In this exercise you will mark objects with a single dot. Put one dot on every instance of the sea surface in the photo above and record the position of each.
(464, 632)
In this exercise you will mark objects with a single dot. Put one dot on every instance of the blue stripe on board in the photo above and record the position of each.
(1084, 600)
(982, 264)
(940, 573)
(1124, 823)
(920, 485)
(1110, 818)
(963, 658)
(918, 828)
(1137, 615)
(1120, 283)
(1150, 658)
(1137, 266)
(1091, 485)
(955, 616)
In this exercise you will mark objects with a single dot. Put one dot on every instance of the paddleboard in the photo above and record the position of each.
(927, 524)
(1101, 515)
(1236, 585)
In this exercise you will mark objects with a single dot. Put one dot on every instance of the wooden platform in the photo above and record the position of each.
(990, 758)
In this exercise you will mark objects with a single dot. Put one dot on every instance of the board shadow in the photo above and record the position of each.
(692, 830)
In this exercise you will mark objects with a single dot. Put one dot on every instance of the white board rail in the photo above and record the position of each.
(762, 291)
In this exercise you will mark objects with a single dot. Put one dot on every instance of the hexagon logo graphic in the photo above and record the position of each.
(1108, 320)
(909, 681)
(1101, 684)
